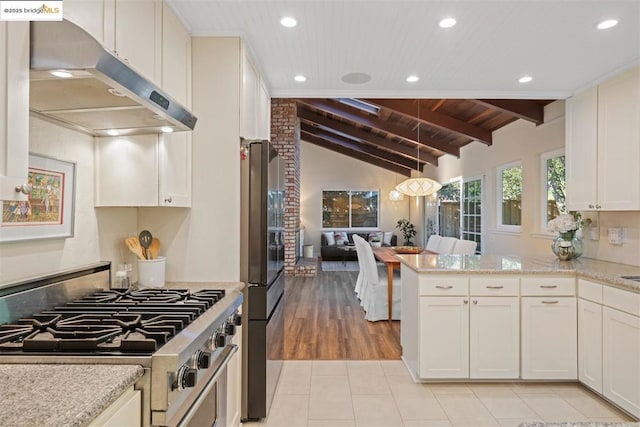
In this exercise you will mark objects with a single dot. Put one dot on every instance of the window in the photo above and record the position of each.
(350, 209)
(449, 210)
(554, 186)
(510, 196)
(471, 202)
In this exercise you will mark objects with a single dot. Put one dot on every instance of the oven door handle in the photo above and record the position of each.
(228, 352)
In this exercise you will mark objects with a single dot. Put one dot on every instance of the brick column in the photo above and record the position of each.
(285, 137)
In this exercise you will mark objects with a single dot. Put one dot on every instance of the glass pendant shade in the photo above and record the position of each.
(395, 195)
(418, 186)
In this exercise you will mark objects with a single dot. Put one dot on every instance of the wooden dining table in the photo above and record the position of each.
(387, 255)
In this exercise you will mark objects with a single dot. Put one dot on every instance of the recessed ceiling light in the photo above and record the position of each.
(300, 78)
(356, 78)
(608, 23)
(447, 23)
(288, 21)
(525, 79)
(412, 78)
(64, 74)
(113, 132)
(166, 129)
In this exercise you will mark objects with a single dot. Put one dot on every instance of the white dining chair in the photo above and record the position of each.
(433, 242)
(465, 247)
(360, 279)
(446, 245)
(374, 296)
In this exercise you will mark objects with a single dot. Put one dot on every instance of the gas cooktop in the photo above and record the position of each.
(108, 322)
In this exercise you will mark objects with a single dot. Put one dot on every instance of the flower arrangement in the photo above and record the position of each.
(567, 224)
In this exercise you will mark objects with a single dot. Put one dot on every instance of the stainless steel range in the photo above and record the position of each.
(181, 337)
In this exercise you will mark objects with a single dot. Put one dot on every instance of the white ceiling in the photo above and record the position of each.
(493, 44)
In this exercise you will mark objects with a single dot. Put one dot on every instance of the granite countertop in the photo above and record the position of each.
(604, 271)
(196, 286)
(60, 395)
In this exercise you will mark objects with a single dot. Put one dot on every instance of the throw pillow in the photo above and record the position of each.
(386, 239)
(376, 235)
(330, 239)
(341, 237)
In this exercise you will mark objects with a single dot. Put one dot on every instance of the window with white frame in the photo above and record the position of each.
(471, 202)
(509, 194)
(350, 208)
(553, 186)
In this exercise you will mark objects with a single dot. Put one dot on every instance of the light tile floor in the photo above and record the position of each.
(380, 393)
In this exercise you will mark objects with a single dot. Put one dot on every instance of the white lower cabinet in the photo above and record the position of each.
(234, 383)
(549, 338)
(126, 411)
(444, 337)
(621, 359)
(590, 344)
(494, 337)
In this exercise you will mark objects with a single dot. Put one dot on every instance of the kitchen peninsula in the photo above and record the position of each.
(491, 317)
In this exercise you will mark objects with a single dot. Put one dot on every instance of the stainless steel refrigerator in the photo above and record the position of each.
(262, 268)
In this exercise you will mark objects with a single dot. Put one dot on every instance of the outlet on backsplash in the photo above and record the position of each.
(617, 235)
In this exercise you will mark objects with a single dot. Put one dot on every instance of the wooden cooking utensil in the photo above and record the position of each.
(145, 239)
(134, 246)
(154, 249)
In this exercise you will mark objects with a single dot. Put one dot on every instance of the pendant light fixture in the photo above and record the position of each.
(418, 186)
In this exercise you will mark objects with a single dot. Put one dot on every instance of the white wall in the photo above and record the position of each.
(526, 142)
(98, 234)
(203, 243)
(322, 169)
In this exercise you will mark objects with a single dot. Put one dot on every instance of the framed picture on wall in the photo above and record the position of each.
(48, 212)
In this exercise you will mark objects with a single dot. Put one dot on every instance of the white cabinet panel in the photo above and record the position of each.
(548, 286)
(444, 337)
(14, 108)
(619, 142)
(582, 149)
(621, 359)
(264, 112)
(176, 58)
(249, 98)
(127, 171)
(494, 337)
(590, 344)
(549, 338)
(443, 285)
(88, 15)
(234, 383)
(494, 285)
(126, 411)
(174, 157)
(138, 29)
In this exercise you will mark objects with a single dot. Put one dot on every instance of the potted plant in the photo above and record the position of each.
(375, 241)
(408, 231)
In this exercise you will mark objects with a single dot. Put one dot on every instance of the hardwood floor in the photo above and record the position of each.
(324, 320)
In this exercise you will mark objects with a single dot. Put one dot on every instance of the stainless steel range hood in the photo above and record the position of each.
(103, 94)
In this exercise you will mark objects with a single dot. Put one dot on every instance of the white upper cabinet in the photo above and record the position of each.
(176, 58)
(619, 142)
(255, 102)
(138, 35)
(88, 15)
(582, 150)
(603, 145)
(14, 108)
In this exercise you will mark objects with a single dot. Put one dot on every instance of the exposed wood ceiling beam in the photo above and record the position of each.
(412, 108)
(397, 130)
(347, 143)
(521, 108)
(312, 117)
(312, 139)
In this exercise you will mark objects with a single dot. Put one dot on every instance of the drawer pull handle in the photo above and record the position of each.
(550, 302)
(443, 287)
(548, 286)
(495, 287)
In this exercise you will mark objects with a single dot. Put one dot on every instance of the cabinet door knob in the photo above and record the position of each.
(475, 301)
(24, 188)
(598, 206)
(466, 301)
(591, 206)
(168, 200)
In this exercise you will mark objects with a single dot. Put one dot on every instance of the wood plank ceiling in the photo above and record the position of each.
(402, 135)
